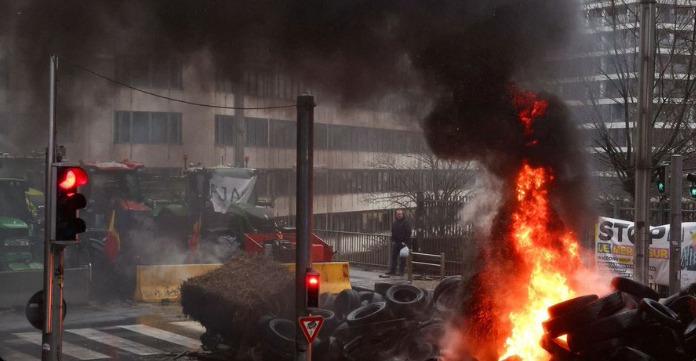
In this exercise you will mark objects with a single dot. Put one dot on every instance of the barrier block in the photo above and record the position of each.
(155, 283)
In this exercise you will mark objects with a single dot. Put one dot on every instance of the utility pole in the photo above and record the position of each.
(52, 338)
(675, 224)
(643, 139)
(305, 164)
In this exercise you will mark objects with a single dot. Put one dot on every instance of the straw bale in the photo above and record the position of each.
(230, 300)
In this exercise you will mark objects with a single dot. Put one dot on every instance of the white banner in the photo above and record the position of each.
(227, 190)
(614, 248)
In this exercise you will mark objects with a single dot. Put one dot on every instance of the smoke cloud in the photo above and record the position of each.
(457, 57)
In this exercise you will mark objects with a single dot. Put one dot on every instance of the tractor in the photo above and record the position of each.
(218, 212)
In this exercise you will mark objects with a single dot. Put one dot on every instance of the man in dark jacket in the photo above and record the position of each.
(401, 237)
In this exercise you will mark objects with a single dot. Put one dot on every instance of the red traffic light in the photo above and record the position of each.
(313, 280)
(71, 178)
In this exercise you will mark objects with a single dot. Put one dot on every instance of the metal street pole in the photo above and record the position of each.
(643, 139)
(305, 160)
(51, 337)
(675, 224)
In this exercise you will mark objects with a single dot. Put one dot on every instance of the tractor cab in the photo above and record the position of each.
(20, 249)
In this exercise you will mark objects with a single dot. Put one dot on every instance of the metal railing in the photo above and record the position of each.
(432, 257)
(359, 248)
(374, 249)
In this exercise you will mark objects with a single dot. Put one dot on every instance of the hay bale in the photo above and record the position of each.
(230, 300)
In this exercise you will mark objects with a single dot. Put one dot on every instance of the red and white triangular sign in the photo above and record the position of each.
(310, 326)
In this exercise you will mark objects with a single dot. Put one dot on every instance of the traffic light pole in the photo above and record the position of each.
(643, 153)
(305, 160)
(51, 338)
(675, 224)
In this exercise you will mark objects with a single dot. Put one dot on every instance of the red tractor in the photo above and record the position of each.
(119, 232)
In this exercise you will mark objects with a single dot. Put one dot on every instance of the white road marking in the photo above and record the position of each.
(9, 354)
(69, 349)
(115, 341)
(172, 337)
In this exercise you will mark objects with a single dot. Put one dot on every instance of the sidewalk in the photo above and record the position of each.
(366, 277)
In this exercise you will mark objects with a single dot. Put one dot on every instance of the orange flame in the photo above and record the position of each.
(552, 255)
(550, 251)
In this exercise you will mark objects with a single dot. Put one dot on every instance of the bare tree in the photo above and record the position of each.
(609, 73)
(421, 172)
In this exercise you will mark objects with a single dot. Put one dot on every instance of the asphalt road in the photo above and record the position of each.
(124, 331)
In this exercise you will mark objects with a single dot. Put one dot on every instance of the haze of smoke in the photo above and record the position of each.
(483, 207)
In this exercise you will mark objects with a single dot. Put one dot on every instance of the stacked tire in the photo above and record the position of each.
(630, 323)
(392, 321)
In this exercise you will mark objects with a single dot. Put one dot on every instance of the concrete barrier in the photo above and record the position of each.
(156, 283)
(16, 287)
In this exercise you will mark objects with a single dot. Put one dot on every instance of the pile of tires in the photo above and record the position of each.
(391, 321)
(631, 323)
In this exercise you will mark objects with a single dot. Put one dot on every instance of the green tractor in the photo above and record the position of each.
(209, 210)
(22, 242)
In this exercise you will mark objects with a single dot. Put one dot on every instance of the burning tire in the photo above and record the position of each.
(370, 313)
(605, 306)
(405, 300)
(634, 288)
(621, 324)
(571, 305)
(557, 348)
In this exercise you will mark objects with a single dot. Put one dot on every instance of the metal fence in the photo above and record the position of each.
(373, 249)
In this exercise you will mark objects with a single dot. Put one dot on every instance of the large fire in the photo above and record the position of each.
(551, 255)
(527, 266)
(550, 251)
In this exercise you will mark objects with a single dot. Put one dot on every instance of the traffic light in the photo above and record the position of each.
(661, 179)
(312, 281)
(691, 177)
(68, 178)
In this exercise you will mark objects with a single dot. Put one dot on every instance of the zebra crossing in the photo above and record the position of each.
(107, 343)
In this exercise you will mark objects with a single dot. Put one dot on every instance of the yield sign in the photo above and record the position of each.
(310, 326)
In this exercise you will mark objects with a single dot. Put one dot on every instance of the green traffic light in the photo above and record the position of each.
(692, 191)
(661, 187)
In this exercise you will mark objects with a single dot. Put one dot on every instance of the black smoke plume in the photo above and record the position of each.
(457, 56)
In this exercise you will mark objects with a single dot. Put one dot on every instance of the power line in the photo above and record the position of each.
(169, 98)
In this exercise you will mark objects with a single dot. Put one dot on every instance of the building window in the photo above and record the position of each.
(3, 73)
(147, 127)
(283, 134)
(4, 124)
(256, 132)
(224, 129)
(149, 73)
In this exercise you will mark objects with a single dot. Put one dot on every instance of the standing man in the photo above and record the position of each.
(401, 237)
